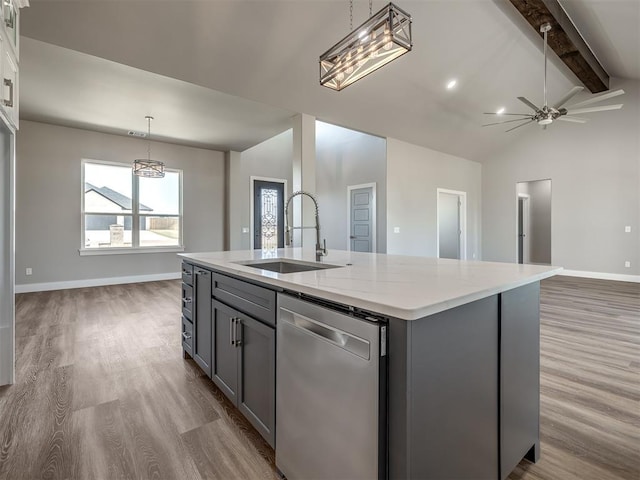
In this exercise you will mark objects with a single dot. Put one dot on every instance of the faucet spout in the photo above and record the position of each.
(321, 249)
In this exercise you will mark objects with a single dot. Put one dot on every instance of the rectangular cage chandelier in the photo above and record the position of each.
(385, 36)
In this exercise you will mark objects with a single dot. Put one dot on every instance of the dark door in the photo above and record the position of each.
(225, 352)
(257, 375)
(202, 320)
(361, 234)
(268, 214)
(521, 233)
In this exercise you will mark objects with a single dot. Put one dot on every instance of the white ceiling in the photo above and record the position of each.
(267, 51)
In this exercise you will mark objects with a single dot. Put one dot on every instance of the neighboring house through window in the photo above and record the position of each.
(121, 211)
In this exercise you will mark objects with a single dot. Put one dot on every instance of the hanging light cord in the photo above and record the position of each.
(149, 137)
(351, 13)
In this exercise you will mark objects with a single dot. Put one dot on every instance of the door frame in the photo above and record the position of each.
(526, 252)
(462, 224)
(251, 212)
(373, 220)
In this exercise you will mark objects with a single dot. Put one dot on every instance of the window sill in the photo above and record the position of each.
(128, 250)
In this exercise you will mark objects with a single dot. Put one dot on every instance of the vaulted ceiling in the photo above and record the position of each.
(267, 52)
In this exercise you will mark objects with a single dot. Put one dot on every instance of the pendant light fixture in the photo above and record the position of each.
(145, 167)
(384, 37)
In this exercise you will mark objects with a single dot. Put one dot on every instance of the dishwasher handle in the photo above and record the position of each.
(346, 341)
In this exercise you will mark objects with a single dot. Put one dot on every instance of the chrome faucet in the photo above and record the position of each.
(321, 250)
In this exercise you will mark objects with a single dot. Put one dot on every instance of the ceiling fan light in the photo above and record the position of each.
(545, 121)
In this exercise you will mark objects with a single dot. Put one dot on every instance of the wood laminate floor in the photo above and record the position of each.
(102, 391)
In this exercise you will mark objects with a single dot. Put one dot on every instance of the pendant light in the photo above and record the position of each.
(145, 167)
(384, 37)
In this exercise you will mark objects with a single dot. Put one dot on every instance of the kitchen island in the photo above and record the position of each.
(459, 368)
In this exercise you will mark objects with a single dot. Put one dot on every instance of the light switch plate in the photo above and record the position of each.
(627, 229)
(396, 229)
(28, 271)
(627, 264)
(245, 229)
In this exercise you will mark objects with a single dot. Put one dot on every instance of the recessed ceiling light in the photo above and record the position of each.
(451, 84)
(500, 111)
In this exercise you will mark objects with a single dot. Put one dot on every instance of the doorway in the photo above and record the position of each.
(361, 217)
(268, 213)
(533, 222)
(451, 236)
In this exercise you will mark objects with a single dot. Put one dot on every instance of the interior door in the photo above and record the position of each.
(361, 227)
(449, 225)
(521, 233)
(268, 214)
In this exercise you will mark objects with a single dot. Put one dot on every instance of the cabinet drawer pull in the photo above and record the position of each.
(201, 272)
(186, 273)
(186, 336)
(238, 332)
(8, 83)
(187, 300)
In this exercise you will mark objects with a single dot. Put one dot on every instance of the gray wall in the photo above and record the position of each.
(539, 240)
(48, 203)
(595, 173)
(413, 176)
(343, 158)
(270, 159)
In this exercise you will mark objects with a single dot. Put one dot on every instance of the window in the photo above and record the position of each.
(121, 211)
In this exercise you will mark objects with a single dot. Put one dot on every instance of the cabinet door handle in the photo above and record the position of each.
(8, 83)
(232, 331)
(200, 272)
(186, 336)
(238, 333)
(187, 300)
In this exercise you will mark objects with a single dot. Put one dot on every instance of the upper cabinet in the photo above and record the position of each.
(9, 56)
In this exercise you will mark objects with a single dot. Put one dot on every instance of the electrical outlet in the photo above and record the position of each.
(627, 264)
(396, 229)
(28, 271)
(245, 229)
(627, 229)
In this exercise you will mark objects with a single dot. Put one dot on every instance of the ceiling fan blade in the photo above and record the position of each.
(507, 121)
(598, 98)
(495, 113)
(521, 125)
(529, 104)
(603, 108)
(564, 118)
(574, 91)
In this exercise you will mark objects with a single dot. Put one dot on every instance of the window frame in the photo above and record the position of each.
(135, 216)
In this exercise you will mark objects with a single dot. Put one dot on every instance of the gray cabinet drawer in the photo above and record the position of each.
(187, 301)
(251, 299)
(187, 336)
(187, 273)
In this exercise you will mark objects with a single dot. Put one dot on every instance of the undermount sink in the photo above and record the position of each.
(287, 266)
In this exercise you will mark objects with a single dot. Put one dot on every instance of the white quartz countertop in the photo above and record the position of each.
(394, 285)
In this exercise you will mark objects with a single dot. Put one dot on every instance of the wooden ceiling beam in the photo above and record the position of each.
(566, 41)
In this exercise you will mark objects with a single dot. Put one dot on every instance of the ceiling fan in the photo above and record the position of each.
(546, 114)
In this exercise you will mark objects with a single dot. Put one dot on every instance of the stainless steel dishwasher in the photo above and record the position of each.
(330, 393)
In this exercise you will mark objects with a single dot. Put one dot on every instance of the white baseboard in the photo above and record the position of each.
(95, 282)
(620, 277)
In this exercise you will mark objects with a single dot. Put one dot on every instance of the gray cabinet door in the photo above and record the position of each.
(224, 372)
(202, 320)
(257, 375)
